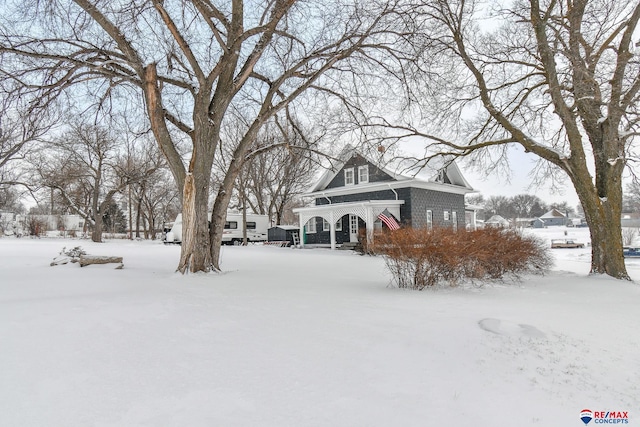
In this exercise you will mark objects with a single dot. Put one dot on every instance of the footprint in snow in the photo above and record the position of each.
(511, 329)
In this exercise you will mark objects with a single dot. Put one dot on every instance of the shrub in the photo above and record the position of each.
(74, 252)
(420, 258)
(37, 227)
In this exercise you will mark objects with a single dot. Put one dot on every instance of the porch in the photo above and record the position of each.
(367, 211)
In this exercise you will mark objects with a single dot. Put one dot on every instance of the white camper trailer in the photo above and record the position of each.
(257, 226)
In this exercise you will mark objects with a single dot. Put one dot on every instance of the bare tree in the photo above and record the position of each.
(147, 171)
(191, 61)
(81, 166)
(273, 178)
(631, 199)
(160, 202)
(528, 205)
(559, 78)
(19, 132)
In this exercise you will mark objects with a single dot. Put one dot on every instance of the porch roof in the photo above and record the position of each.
(356, 208)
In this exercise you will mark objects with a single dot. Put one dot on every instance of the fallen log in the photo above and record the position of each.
(101, 259)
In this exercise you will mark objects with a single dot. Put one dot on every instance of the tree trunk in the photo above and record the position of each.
(138, 216)
(96, 232)
(603, 215)
(218, 218)
(195, 254)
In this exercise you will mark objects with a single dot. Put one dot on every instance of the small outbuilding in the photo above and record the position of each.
(552, 218)
(283, 233)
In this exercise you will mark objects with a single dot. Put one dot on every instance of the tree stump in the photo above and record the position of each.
(98, 259)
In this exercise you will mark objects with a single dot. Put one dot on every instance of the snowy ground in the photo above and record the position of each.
(306, 338)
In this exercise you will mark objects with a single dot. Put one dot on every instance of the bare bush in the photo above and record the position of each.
(37, 227)
(628, 235)
(420, 258)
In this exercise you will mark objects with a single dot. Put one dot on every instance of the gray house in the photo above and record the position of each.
(351, 196)
(551, 219)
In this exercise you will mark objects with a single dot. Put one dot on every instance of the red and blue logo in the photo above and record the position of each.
(586, 416)
(604, 417)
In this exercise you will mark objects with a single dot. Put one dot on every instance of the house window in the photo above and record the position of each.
(363, 174)
(231, 225)
(326, 225)
(454, 218)
(429, 220)
(349, 178)
(311, 225)
(446, 215)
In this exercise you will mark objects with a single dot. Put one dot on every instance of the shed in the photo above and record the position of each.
(282, 233)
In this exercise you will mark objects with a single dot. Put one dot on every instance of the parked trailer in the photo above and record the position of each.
(257, 226)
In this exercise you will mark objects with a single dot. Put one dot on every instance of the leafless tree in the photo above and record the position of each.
(528, 205)
(273, 178)
(160, 202)
(191, 61)
(147, 171)
(559, 78)
(82, 167)
(19, 132)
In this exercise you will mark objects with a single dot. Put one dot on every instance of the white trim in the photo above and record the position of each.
(367, 210)
(401, 173)
(311, 225)
(447, 216)
(429, 219)
(326, 225)
(387, 185)
(364, 168)
(353, 228)
(353, 177)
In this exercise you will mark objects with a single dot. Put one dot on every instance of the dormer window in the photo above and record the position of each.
(349, 178)
(363, 174)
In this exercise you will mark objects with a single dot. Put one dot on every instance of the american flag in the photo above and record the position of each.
(386, 217)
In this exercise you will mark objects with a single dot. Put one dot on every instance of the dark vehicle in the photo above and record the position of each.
(629, 252)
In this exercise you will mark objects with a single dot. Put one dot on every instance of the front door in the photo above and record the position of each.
(353, 228)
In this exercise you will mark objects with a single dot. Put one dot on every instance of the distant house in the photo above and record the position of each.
(630, 219)
(496, 221)
(351, 196)
(553, 218)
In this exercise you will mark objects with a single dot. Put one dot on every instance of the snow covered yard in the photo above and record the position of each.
(306, 338)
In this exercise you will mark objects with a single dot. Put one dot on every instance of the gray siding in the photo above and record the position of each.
(416, 203)
(403, 194)
(422, 200)
(324, 237)
(375, 173)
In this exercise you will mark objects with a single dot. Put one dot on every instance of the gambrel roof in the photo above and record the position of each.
(437, 174)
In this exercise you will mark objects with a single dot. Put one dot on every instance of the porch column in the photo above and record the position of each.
(332, 230)
(370, 220)
(301, 235)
